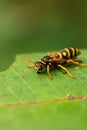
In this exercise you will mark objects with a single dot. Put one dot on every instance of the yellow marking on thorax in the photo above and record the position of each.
(42, 62)
(73, 52)
(60, 55)
(67, 50)
(49, 63)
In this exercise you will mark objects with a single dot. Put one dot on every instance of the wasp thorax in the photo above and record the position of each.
(46, 59)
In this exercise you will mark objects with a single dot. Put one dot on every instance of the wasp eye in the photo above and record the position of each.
(37, 65)
(40, 67)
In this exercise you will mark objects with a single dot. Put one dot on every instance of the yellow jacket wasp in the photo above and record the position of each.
(56, 60)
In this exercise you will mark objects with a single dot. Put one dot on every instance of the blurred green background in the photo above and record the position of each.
(36, 26)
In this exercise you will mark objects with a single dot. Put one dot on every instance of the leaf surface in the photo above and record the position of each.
(33, 101)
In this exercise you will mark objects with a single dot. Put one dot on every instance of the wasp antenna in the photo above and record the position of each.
(26, 59)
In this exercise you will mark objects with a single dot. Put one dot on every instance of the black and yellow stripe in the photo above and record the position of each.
(68, 53)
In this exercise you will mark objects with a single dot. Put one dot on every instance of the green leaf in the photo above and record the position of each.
(32, 101)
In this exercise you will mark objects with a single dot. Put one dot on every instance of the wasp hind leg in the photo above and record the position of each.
(62, 67)
(76, 62)
(48, 72)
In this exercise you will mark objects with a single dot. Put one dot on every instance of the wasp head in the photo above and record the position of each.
(40, 67)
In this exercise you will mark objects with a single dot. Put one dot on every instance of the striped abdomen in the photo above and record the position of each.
(68, 53)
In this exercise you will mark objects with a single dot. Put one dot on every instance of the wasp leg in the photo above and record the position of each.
(62, 67)
(30, 66)
(48, 72)
(76, 62)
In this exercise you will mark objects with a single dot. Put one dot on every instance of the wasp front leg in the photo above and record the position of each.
(48, 72)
